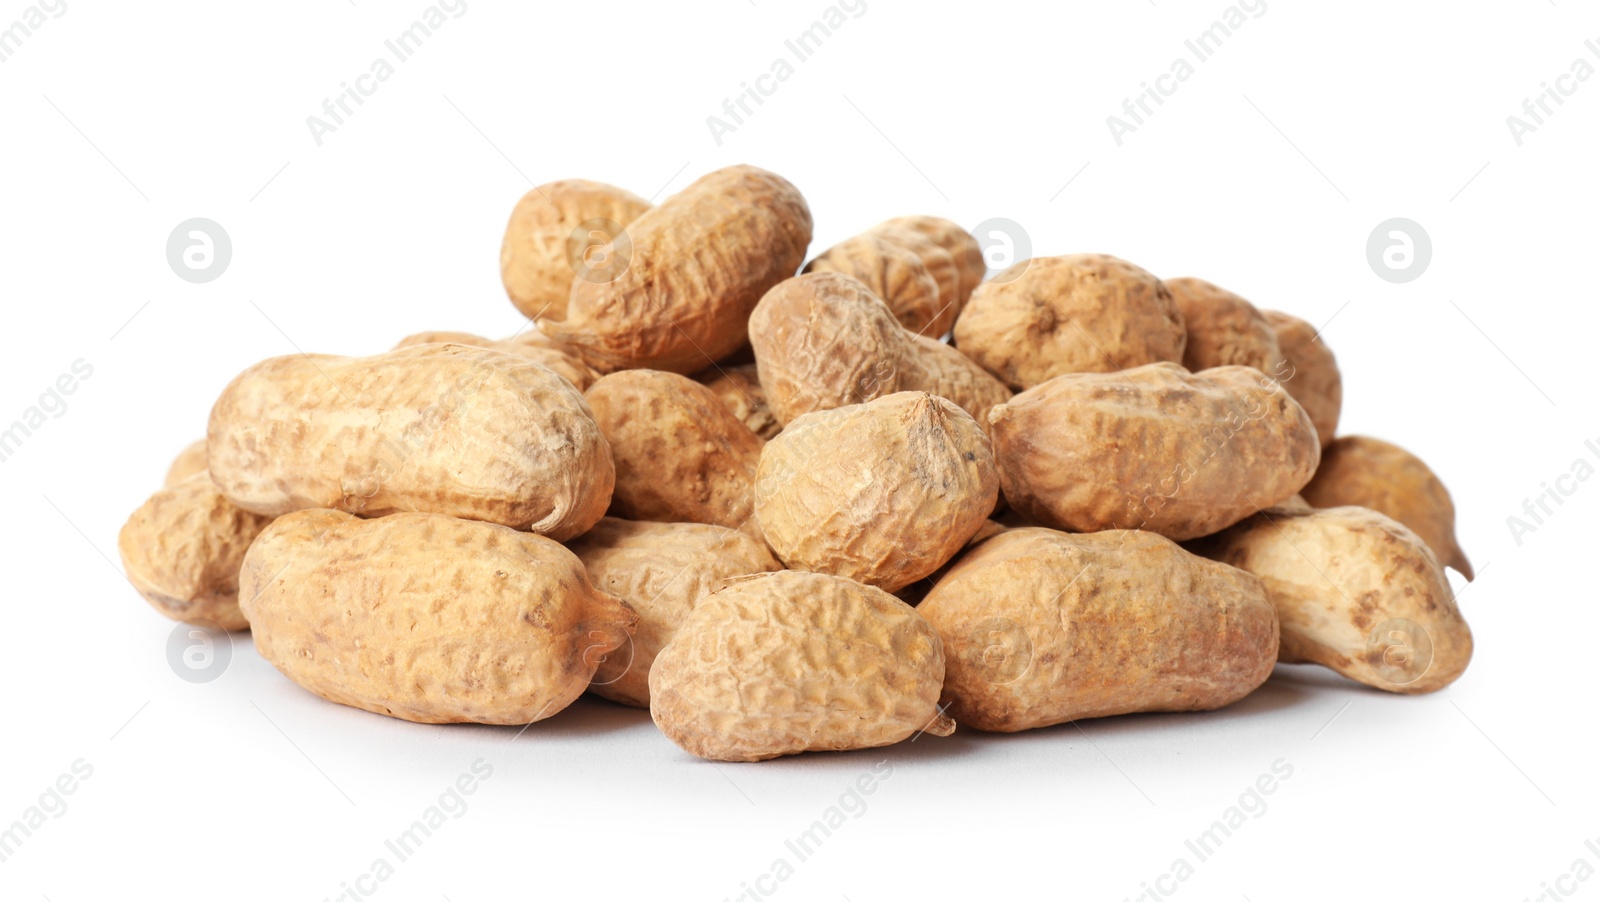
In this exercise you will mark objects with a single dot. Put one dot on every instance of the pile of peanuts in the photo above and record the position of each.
(885, 496)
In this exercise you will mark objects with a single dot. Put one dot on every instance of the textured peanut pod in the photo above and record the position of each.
(1082, 313)
(190, 460)
(681, 455)
(1156, 448)
(824, 340)
(1356, 592)
(914, 593)
(542, 351)
(740, 389)
(1309, 372)
(182, 549)
(662, 570)
(541, 252)
(965, 252)
(427, 617)
(792, 662)
(1368, 472)
(941, 264)
(700, 262)
(1224, 329)
(451, 429)
(883, 493)
(893, 273)
(1042, 627)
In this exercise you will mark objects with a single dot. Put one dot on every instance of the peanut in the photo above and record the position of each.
(739, 387)
(965, 253)
(824, 340)
(1356, 592)
(1083, 313)
(539, 256)
(681, 455)
(471, 432)
(182, 549)
(895, 274)
(883, 493)
(790, 662)
(662, 570)
(191, 460)
(426, 617)
(1155, 447)
(540, 350)
(1312, 374)
(1368, 472)
(700, 262)
(1224, 329)
(1043, 627)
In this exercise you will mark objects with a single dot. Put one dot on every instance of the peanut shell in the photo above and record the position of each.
(544, 244)
(1309, 372)
(739, 387)
(1043, 627)
(662, 570)
(1356, 592)
(790, 662)
(427, 617)
(470, 432)
(1156, 448)
(1224, 329)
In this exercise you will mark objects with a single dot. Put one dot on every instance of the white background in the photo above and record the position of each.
(1265, 173)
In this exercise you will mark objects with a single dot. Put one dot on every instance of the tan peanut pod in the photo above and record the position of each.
(191, 460)
(965, 252)
(1356, 592)
(824, 340)
(681, 455)
(1081, 313)
(182, 549)
(941, 264)
(1368, 472)
(1043, 627)
(739, 387)
(662, 570)
(883, 493)
(1224, 329)
(914, 593)
(893, 273)
(700, 262)
(1309, 372)
(566, 365)
(451, 429)
(1155, 447)
(791, 662)
(546, 236)
(427, 617)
